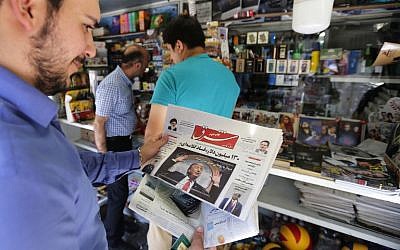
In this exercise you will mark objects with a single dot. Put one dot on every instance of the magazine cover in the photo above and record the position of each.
(380, 131)
(288, 123)
(265, 118)
(309, 157)
(354, 165)
(351, 132)
(364, 171)
(243, 114)
(317, 131)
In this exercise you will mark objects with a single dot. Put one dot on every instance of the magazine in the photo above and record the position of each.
(288, 124)
(364, 171)
(316, 131)
(153, 201)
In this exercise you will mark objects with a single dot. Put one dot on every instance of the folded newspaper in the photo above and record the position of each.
(211, 166)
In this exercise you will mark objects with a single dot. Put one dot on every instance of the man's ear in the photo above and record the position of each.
(179, 46)
(138, 65)
(27, 12)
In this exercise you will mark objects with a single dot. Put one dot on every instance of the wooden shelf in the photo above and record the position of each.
(280, 195)
(338, 185)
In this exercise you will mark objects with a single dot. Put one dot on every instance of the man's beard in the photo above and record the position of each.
(46, 58)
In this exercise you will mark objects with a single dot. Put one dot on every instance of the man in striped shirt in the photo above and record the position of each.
(114, 123)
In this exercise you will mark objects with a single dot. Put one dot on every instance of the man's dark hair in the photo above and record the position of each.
(265, 141)
(173, 120)
(186, 29)
(133, 56)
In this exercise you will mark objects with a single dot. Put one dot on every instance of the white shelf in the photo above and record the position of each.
(88, 125)
(280, 195)
(365, 79)
(85, 145)
(355, 189)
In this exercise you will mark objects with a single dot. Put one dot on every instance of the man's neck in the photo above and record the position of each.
(193, 52)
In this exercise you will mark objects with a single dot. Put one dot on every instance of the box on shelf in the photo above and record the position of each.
(101, 31)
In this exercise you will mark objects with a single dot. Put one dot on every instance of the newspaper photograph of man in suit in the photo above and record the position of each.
(200, 175)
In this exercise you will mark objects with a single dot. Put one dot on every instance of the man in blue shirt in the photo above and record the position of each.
(47, 198)
(114, 123)
(195, 81)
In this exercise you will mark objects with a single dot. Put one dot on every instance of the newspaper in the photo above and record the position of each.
(216, 159)
(152, 201)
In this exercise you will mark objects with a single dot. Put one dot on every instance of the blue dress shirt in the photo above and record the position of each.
(47, 198)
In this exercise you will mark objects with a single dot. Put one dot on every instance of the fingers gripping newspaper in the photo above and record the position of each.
(209, 173)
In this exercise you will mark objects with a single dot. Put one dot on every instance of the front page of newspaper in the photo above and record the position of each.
(220, 161)
(152, 201)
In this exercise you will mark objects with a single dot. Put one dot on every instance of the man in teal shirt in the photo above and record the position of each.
(195, 81)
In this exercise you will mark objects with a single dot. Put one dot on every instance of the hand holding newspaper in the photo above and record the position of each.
(221, 162)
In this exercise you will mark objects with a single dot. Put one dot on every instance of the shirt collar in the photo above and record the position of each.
(29, 100)
(126, 79)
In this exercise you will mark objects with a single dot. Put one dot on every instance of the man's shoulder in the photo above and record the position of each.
(112, 79)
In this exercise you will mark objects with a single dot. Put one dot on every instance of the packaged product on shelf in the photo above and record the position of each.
(79, 105)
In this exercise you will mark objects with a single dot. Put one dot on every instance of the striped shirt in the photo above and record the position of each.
(114, 100)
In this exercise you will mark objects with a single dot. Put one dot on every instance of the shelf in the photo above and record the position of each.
(365, 79)
(87, 125)
(85, 145)
(337, 185)
(280, 195)
(257, 23)
(118, 36)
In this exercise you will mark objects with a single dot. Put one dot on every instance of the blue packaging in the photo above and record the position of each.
(354, 58)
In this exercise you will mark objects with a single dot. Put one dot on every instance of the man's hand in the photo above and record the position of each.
(198, 239)
(216, 177)
(151, 147)
(181, 158)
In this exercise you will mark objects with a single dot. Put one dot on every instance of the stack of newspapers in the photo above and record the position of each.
(379, 214)
(328, 202)
(208, 174)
